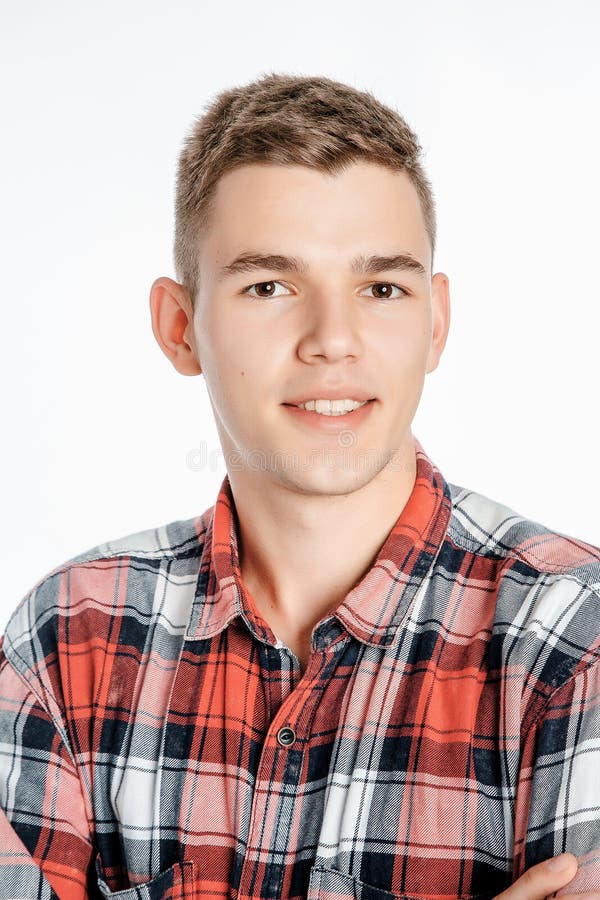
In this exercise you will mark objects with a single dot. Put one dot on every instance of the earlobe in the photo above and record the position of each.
(172, 324)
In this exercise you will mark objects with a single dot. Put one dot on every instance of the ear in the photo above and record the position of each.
(440, 307)
(173, 324)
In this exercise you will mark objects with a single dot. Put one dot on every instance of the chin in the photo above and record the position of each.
(324, 480)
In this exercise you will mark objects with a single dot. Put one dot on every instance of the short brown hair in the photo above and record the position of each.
(286, 120)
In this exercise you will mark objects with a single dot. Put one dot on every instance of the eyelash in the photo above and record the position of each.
(381, 299)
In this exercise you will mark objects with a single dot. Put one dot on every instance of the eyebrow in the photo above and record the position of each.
(251, 260)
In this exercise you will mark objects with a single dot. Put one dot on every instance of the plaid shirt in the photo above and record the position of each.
(158, 741)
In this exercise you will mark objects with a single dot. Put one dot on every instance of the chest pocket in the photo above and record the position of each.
(330, 884)
(175, 883)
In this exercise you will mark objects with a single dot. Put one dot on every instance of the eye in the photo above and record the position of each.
(388, 286)
(270, 290)
(262, 284)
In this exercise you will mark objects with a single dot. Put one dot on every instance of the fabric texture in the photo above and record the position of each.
(158, 741)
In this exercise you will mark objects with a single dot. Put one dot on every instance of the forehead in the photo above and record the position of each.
(367, 206)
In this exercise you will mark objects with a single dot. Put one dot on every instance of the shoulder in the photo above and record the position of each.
(489, 528)
(109, 591)
(545, 587)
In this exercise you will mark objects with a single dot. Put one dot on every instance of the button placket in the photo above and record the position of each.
(279, 771)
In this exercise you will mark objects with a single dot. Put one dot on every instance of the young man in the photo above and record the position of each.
(348, 678)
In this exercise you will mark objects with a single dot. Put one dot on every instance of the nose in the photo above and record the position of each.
(330, 330)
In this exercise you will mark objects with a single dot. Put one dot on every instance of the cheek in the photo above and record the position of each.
(240, 335)
(225, 351)
(404, 353)
(240, 378)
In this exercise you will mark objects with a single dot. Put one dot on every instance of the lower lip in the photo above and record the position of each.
(332, 423)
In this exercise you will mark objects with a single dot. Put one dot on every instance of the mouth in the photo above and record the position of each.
(332, 421)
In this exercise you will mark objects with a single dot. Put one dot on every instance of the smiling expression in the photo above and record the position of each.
(315, 286)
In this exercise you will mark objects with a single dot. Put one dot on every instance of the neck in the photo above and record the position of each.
(301, 552)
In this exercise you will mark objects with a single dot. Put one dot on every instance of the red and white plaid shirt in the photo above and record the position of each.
(158, 741)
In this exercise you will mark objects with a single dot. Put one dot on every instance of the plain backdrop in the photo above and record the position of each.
(100, 434)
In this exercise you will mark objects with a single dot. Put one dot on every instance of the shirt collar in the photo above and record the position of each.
(373, 609)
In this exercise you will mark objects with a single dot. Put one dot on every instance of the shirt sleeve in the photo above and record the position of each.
(45, 846)
(558, 809)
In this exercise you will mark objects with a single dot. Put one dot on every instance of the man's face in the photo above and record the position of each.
(268, 336)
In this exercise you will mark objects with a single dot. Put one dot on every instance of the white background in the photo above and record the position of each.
(95, 103)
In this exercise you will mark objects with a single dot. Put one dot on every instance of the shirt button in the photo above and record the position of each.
(286, 736)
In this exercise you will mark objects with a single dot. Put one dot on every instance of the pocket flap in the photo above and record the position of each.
(331, 884)
(175, 883)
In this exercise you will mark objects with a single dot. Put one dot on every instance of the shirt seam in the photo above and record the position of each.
(540, 716)
(70, 566)
(196, 542)
(58, 725)
(544, 568)
(594, 661)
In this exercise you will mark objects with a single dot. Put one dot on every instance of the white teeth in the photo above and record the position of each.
(331, 407)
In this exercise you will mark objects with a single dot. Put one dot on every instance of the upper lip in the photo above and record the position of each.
(330, 393)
